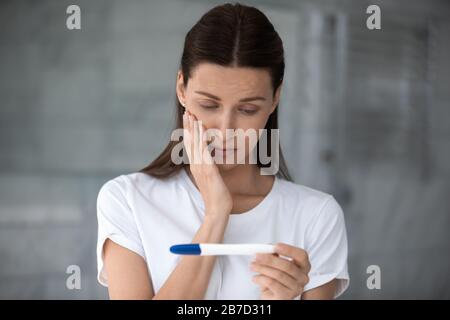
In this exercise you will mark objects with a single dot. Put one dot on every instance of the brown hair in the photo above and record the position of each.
(229, 35)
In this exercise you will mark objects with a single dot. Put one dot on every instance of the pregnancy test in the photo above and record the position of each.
(217, 249)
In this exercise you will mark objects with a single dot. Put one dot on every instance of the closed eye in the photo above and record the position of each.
(248, 112)
(242, 110)
(210, 106)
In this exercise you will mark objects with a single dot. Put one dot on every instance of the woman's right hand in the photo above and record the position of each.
(215, 194)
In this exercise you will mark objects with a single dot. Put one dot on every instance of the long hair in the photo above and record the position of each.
(229, 35)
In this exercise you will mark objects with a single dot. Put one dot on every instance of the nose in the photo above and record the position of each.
(223, 122)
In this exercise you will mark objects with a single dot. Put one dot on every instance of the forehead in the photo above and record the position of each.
(235, 81)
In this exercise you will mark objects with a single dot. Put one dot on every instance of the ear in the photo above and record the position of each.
(180, 88)
(276, 98)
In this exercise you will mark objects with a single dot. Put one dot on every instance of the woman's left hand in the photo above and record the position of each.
(280, 278)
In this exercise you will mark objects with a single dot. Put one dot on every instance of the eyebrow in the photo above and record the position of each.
(218, 99)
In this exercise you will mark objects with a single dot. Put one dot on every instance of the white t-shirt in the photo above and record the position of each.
(148, 215)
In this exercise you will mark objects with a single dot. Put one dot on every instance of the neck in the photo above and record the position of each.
(242, 179)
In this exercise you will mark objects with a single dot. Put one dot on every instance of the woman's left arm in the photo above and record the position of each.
(283, 279)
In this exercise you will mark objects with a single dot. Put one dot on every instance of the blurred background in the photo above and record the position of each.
(365, 116)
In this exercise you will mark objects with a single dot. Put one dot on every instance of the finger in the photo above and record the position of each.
(203, 146)
(275, 286)
(206, 153)
(299, 256)
(192, 138)
(267, 294)
(186, 137)
(280, 263)
(192, 119)
(200, 141)
(186, 121)
(286, 279)
(196, 142)
(188, 117)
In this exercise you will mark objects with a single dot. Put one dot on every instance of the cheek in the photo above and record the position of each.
(201, 114)
(258, 124)
(255, 122)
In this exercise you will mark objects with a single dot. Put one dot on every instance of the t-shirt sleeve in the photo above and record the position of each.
(326, 245)
(116, 222)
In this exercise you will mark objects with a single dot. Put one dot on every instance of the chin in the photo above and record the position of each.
(226, 167)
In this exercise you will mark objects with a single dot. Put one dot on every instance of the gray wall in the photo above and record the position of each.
(365, 115)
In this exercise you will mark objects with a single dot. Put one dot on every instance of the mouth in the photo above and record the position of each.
(222, 148)
(225, 150)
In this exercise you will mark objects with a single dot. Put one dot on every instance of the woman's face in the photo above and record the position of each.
(229, 98)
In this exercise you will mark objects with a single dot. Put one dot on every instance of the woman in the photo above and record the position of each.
(230, 78)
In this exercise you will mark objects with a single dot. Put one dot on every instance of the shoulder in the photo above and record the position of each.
(116, 198)
(312, 203)
(302, 194)
(128, 183)
(119, 186)
(125, 187)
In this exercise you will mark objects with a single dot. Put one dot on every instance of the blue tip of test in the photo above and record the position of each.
(186, 249)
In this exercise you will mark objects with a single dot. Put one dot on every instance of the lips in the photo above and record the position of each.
(224, 150)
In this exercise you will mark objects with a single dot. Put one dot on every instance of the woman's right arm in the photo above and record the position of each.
(190, 278)
(128, 276)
